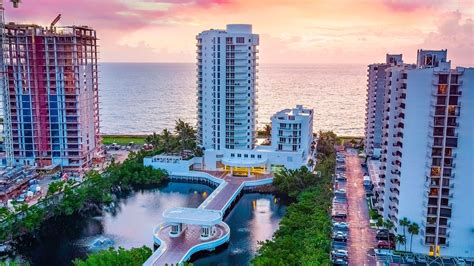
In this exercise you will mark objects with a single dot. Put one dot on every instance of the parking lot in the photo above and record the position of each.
(353, 239)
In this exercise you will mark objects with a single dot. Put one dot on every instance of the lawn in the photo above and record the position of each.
(123, 139)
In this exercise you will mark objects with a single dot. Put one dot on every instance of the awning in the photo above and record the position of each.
(244, 162)
(192, 216)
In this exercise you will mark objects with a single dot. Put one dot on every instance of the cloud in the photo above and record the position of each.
(455, 34)
(410, 5)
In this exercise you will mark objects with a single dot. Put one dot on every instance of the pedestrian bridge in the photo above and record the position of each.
(186, 231)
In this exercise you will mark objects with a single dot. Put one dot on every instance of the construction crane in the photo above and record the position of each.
(58, 17)
(3, 82)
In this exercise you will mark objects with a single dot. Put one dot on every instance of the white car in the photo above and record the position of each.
(340, 191)
(341, 225)
(340, 253)
(460, 261)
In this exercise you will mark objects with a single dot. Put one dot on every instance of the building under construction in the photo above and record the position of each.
(50, 95)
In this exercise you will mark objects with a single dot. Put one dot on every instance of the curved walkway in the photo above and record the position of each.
(179, 249)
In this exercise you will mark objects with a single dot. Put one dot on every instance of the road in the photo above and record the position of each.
(361, 236)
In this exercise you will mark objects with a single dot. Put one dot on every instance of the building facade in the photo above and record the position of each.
(376, 86)
(226, 98)
(227, 62)
(426, 161)
(292, 130)
(50, 96)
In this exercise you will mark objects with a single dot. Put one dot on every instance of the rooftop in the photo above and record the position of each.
(192, 216)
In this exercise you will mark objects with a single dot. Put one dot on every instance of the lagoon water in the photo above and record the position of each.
(144, 98)
(254, 218)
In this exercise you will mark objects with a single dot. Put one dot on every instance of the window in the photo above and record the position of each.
(232, 155)
(246, 155)
(259, 156)
(252, 156)
(239, 155)
(240, 40)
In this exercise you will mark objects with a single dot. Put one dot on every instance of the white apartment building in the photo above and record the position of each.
(375, 103)
(292, 130)
(291, 147)
(427, 161)
(226, 66)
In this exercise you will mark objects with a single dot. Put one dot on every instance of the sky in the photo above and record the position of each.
(291, 31)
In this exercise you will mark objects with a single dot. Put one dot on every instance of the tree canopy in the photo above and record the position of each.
(116, 257)
(303, 237)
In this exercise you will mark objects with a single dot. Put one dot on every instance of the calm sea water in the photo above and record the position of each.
(254, 218)
(144, 98)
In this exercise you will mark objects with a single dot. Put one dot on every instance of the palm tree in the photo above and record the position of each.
(413, 229)
(404, 223)
(401, 240)
(379, 222)
(267, 130)
(389, 225)
(166, 139)
(186, 135)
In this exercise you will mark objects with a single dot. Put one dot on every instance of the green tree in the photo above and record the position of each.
(380, 222)
(401, 240)
(404, 223)
(119, 257)
(153, 139)
(413, 229)
(389, 225)
(293, 182)
(303, 237)
(166, 140)
(186, 135)
(267, 131)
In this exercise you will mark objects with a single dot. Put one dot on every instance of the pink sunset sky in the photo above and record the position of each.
(291, 31)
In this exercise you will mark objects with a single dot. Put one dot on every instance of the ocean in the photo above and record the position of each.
(141, 98)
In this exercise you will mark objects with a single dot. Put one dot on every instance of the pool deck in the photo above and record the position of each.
(176, 250)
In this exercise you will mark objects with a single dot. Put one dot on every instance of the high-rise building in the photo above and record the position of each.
(50, 96)
(227, 61)
(427, 162)
(375, 103)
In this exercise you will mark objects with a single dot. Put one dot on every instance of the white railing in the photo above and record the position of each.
(232, 198)
(210, 245)
(161, 250)
(213, 195)
(259, 182)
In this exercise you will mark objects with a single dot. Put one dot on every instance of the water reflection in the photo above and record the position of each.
(254, 218)
(130, 224)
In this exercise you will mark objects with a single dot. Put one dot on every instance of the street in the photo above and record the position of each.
(361, 237)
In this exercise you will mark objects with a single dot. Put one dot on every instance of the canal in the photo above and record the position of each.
(130, 224)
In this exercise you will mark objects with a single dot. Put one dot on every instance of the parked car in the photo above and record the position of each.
(339, 261)
(383, 244)
(460, 261)
(385, 236)
(340, 191)
(342, 225)
(339, 253)
(339, 236)
(421, 259)
(409, 258)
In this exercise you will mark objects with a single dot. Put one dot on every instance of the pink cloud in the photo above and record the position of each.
(410, 5)
(103, 14)
(454, 34)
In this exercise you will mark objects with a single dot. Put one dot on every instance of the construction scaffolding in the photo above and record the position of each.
(51, 101)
